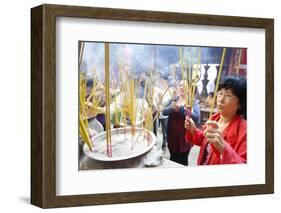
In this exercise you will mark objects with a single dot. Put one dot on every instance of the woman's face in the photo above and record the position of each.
(181, 88)
(227, 102)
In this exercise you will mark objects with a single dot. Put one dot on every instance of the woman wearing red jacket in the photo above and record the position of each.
(223, 139)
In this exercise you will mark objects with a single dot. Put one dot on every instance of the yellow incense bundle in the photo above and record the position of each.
(82, 99)
(194, 83)
(181, 62)
(217, 83)
(107, 102)
(84, 132)
(161, 99)
(132, 102)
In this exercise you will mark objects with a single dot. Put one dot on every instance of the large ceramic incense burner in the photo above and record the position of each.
(126, 143)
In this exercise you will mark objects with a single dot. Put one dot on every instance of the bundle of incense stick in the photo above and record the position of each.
(84, 133)
(107, 102)
(115, 105)
(148, 123)
(160, 102)
(148, 116)
(189, 76)
(128, 90)
(123, 94)
(184, 78)
(181, 62)
(82, 97)
(187, 88)
(194, 83)
(83, 122)
(142, 107)
(217, 83)
(132, 105)
(94, 102)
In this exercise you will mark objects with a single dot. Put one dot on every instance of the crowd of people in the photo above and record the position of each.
(222, 139)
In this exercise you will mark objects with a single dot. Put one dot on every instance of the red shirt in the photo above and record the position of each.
(235, 147)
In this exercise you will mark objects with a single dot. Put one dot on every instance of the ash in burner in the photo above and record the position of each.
(124, 144)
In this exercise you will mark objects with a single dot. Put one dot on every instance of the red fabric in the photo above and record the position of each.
(244, 56)
(176, 134)
(234, 62)
(235, 147)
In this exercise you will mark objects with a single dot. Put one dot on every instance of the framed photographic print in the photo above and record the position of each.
(135, 106)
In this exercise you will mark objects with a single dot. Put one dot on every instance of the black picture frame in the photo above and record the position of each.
(43, 105)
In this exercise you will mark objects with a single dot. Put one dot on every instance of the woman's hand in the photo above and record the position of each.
(187, 110)
(213, 135)
(188, 107)
(159, 108)
(189, 125)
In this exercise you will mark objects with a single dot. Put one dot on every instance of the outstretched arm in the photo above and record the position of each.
(193, 134)
(194, 114)
(169, 108)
